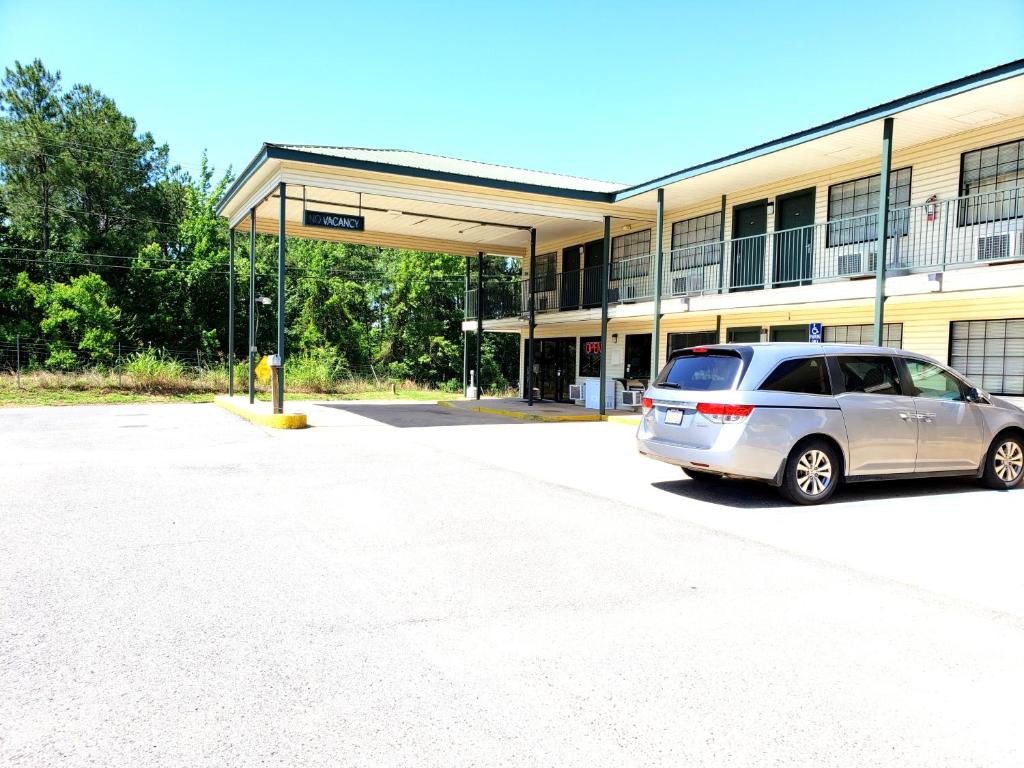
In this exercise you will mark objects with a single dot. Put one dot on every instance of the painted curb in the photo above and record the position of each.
(632, 420)
(272, 420)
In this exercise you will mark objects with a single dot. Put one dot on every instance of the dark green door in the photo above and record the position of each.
(746, 267)
(638, 356)
(570, 293)
(793, 241)
(748, 335)
(789, 333)
(593, 257)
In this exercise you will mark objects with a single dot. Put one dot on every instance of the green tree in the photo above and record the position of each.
(78, 317)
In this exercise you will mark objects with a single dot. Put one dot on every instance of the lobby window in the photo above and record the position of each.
(695, 242)
(689, 339)
(631, 246)
(590, 356)
(990, 352)
(853, 208)
(892, 334)
(993, 179)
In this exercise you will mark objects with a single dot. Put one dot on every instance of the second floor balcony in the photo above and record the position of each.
(929, 237)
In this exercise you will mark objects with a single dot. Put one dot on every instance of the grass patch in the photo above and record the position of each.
(151, 381)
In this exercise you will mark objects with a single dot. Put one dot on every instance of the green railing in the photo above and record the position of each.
(933, 236)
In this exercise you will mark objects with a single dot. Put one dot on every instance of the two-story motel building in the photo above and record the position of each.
(757, 245)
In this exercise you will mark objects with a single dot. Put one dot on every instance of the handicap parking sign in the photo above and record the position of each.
(814, 332)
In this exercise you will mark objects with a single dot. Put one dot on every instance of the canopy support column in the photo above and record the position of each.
(533, 315)
(231, 312)
(465, 334)
(883, 231)
(479, 321)
(659, 257)
(252, 305)
(605, 256)
(279, 405)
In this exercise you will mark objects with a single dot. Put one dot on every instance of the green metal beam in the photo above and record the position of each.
(252, 305)
(231, 312)
(479, 321)
(533, 315)
(605, 256)
(659, 255)
(883, 230)
(280, 297)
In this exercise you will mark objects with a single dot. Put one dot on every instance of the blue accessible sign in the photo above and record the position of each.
(814, 332)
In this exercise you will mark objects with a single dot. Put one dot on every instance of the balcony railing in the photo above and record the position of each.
(932, 236)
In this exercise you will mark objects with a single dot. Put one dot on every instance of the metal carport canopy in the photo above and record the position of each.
(420, 202)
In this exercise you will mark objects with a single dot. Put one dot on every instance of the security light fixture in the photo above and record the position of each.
(771, 208)
(264, 300)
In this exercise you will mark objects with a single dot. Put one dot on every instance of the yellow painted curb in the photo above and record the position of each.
(632, 420)
(540, 417)
(273, 420)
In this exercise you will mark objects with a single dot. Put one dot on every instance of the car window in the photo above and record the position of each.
(873, 374)
(700, 372)
(807, 375)
(930, 381)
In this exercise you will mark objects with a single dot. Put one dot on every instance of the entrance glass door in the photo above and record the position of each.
(554, 367)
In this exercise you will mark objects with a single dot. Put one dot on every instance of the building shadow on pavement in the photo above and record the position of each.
(752, 495)
(419, 415)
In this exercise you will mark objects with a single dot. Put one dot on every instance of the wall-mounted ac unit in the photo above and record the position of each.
(1005, 245)
(632, 398)
(627, 293)
(577, 391)
(853, 263)
(681, 286)
(541, 302)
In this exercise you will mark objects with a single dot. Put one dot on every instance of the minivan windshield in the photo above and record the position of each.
(700, 372)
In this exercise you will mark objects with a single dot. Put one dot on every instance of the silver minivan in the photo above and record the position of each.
(804, 417)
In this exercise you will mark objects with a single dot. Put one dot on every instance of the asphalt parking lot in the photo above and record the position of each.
(403, 586)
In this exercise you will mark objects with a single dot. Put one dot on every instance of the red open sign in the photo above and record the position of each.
(592, 347)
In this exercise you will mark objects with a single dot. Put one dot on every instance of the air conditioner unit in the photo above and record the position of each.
(577, 391)
(1005, 245)
(681, 286)
(852, 263)
(627, 293)
(541, 302)
(632, 398)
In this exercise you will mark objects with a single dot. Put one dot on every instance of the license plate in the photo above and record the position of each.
(673, 416)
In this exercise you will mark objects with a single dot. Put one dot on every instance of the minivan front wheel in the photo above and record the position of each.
(812, 473)
(1004, 465)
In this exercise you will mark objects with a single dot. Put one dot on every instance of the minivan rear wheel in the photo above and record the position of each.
(812, 473)
(1004, 464)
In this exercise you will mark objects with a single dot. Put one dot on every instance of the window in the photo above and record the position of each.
(892, 334)
(932, 382)
(873, 375)
(807, 375)
(749, 335)
(590, 356)
(627, 251)
(547, 266)
(993, 178)
(853, 208)
(789, 333)
(677, 341)
(700, 372)
(990, 352)
(696, 241)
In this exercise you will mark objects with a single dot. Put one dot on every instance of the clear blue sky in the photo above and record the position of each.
(616, 91)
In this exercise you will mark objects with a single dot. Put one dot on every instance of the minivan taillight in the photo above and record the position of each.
(723, 413)
(648, 404)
